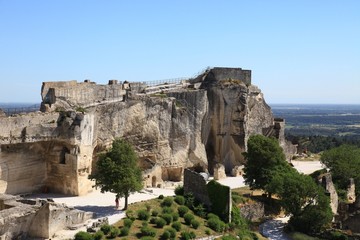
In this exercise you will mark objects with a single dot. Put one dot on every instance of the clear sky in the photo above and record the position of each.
(299, 51)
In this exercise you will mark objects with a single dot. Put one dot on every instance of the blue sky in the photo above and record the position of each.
(299, 51)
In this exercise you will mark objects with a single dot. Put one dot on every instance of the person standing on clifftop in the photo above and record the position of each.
(117, 202)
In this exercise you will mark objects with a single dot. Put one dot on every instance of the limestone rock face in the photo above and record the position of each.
(196, 124)
(219, 172)
(350, 194)
(24, 219)
(330, 188)
(236, 111)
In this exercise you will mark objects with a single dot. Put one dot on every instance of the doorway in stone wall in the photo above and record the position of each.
(153, 181)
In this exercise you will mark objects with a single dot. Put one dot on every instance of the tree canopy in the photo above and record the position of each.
(344, 163)
(117, 171)
(299, 195)
(264, 157)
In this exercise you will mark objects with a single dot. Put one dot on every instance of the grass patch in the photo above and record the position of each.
(302, 236)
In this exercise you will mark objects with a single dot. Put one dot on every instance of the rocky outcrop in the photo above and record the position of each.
(24, 219)
(350, 193)
(330, 189)
(219, 172)
(196, 124)
(237, 110)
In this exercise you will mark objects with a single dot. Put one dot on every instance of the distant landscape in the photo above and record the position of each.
(319, 127)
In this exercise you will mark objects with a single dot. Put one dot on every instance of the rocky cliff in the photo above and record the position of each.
(197, 123)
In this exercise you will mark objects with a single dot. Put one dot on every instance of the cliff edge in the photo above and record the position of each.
(188, 123)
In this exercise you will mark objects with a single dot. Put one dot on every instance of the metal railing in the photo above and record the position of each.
(165, 81)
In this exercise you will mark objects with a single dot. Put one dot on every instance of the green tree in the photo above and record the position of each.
(117, 171)
(344, 163)
(264, 158)
(304, 200)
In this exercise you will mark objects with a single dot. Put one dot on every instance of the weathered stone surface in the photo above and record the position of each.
(351, 195)
(24, 219)
(330, 189)
(195, 183)
(219, 172)
(237, 171)
(236, 110)
(184, 128)
(253, 211)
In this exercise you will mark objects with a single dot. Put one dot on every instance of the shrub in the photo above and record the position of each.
(147, 231)
(216, 224)
(172, 232)
(165, 235)
(154, 213)
(175, 216)
(128, 222)
(228, 237)
(187, 235)
(176, 226)
(167, 202)
(179, 190)
(182, 210)
(180, 200)
(237, 199)
(160, 222)
(338, 236)
(188, 217)
(124, 231)
(207, 231)
(167, 210)
(83, 236)
(189, 200)
(200, 210)
(130, 214)
(211, 215)
(143, 215)
(80, 109)
(105, 228)
(114, 232)
(147, 238)
(153, 220)
(98, 235)
(167, 217)
(195, 224)
(161, 196)
(148, 207)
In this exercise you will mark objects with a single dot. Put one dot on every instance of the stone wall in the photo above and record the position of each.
(195, 183)
(49, 152)
(24, 219)
(81, 94)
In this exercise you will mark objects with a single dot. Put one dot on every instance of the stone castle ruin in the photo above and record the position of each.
(199, 122)
(195, 123)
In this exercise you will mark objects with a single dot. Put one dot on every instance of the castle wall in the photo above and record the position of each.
(81, 94)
